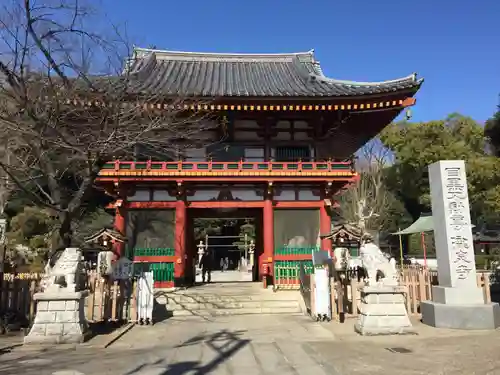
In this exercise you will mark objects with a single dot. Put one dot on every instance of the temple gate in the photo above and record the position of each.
(282, 144)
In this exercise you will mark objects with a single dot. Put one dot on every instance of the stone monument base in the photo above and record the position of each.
(383, 312)
(468, 317)
(59, 319)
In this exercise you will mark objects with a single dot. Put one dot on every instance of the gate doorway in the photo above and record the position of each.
(233, 240)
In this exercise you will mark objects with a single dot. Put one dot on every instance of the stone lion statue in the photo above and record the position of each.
(297, 241)
(373, 260)
(68, 272)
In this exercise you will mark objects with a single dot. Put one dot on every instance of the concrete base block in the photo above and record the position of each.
(383, 312)
(467, 317)
(60, 319)
(457, 296)
(386, 330)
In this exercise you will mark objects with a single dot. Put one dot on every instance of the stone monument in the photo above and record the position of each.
(457, 302)
(383, 309)
(60, 315)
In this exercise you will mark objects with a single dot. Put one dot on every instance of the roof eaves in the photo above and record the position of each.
(411, 78)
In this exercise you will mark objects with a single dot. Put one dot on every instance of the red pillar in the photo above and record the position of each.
(119, 226)
(268, 224)
(325, 227)
(180, 242)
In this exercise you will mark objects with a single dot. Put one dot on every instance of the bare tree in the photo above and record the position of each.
(366, 201)
(64, 110)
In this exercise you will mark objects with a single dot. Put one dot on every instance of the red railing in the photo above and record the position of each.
(240, 166)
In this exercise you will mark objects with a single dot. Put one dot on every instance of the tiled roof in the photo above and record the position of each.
(247, 75)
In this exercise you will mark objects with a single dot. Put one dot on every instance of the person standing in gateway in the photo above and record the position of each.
(206, 266)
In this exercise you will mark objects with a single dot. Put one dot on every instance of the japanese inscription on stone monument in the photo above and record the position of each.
(460, 236)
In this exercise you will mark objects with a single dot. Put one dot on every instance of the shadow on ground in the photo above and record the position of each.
(160, 312)
(225, 343)
(104, 328)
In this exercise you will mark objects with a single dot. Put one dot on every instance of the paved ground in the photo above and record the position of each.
(266, 345)
(178, 346)
(431, 352)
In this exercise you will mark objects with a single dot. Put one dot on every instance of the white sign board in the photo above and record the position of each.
(452, 224)
(123, 269)
(322, 293)
(145, 298)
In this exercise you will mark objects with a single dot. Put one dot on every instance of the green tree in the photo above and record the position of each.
(207, 227)
(416, 145)
(492, 132)
(29, 237)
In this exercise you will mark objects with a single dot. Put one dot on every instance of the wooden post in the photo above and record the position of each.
(340, 301)
(120, 226)
(325, 225)
(268, 223)
(354, 296)
(133, 302)
(421, 285)
(333, 302)
(114, 298)
(313, 297)
(180, 243)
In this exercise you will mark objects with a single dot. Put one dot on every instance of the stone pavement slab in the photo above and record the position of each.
(224, 345)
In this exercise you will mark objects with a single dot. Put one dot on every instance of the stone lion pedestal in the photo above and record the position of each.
(383, 311)
(60, 316)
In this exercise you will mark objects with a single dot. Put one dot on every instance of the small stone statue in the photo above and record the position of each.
(374, 260)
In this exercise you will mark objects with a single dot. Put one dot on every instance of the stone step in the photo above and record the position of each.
(171, 306)
(222, 298)
(240, 311)
(228, 299)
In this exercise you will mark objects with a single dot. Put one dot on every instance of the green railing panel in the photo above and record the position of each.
(108, 166)
(295, 250)
(125, 166)
(161, 271)
(290, 269)
(341, 166)
(148, 252)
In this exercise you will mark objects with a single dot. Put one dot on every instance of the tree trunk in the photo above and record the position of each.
(62, 238)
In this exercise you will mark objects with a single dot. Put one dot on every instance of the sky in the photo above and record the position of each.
(452, 44)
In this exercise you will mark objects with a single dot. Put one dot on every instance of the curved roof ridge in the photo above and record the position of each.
(321, 77)
(167, 54)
